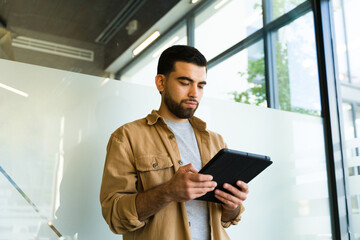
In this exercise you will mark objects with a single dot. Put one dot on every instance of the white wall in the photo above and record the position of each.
(53, 142)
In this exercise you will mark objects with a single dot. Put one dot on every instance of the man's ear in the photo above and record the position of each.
(160, 81)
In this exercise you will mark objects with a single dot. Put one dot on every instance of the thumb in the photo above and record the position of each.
(189, 168)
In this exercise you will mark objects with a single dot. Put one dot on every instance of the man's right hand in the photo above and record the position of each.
(188, 184)
(185, 185)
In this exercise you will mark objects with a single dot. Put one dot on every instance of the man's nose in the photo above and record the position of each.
(194, 91)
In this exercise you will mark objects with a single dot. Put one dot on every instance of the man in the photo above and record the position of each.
(151, 174)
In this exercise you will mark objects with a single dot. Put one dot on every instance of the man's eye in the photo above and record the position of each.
(184, 83)
(201, 86)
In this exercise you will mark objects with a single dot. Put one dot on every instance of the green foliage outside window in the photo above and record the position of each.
(255, 75)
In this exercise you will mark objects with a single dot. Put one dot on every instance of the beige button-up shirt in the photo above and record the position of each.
(144, 154)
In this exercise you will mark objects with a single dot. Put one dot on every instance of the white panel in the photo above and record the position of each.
(53, 142)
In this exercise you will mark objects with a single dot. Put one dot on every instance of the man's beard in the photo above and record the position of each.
(176, 108)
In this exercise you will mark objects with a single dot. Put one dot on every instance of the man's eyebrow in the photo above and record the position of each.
(190, 80)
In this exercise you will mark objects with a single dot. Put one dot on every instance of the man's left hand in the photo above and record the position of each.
(234, 199)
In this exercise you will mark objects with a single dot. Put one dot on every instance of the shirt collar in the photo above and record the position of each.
(154, 117)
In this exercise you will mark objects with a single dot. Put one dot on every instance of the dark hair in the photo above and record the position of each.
(179, 53)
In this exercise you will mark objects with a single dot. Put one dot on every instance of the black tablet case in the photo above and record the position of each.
(228, 166)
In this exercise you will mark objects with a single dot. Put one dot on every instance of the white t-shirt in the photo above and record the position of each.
(197, 211)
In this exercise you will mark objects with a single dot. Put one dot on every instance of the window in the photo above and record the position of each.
(296, 67)
(280, 7)
(225, 23)
(240, 78)
(347, 39)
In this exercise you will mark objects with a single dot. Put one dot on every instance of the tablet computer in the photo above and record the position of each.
(228, 166)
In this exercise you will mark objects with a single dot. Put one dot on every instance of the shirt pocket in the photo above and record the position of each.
(154, 170)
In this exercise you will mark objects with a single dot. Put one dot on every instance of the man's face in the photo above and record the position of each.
(183, 89)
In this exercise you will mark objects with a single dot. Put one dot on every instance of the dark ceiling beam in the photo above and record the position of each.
(147, 15)
(2, 22)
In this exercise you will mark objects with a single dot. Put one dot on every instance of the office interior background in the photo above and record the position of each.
(282, 81)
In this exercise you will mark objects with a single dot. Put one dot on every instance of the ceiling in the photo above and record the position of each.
(82, 20)
(81, 23)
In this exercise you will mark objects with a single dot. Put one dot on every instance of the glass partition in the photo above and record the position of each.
(54, 128)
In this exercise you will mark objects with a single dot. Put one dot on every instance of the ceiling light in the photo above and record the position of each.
(168, 44)
(106, 80)
(194, 1)
(220, 4)
(146, 43)
(53, 48)
(14, 90)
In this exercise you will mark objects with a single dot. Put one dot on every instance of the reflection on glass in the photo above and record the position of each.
(348, 120)
(296, 67)
(225, 23)
(240, 78)
(281, 7)
(28, 200)
(351, 120)
(346, 18)
(145, 70)
(357, 119)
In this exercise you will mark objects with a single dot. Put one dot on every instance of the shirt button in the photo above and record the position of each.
(181, 162)
(171, 136)
(155, 165)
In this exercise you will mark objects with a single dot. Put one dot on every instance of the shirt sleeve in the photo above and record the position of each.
(234, 221)
(118, 188)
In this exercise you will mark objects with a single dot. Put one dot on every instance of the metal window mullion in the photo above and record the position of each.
(346, 41)
(332, 121)
(353, 114)
(272, 87)
(270, 58)
(267, 8)
(190, 30)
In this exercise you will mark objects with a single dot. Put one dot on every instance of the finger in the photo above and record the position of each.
(226, 200)
(201, 191)
(208, 184)
(197, 192)
(235, 191)
(243, 186)
(229, 197)
(189, 168)
(200, 177)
